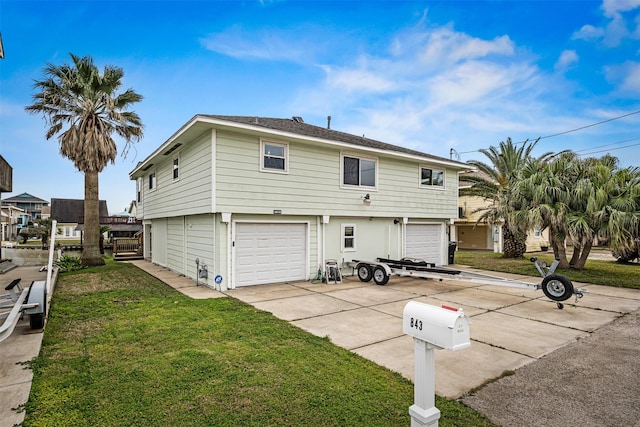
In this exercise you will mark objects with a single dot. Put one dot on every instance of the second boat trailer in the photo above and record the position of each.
(18, 301)
(556, 287)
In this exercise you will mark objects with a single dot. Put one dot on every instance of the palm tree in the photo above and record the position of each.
(581, 200)
(84, 109)
(496, 183)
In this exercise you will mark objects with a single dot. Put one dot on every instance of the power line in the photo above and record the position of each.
(612, 149)
(591, 125)
(567, 131)
(606, 145)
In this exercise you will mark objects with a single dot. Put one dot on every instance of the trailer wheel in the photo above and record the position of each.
(557, 287)
(380, 276)
(365, 272)
(36, 321)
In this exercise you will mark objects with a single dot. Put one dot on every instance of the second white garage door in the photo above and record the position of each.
(270, 253)
(424, 241)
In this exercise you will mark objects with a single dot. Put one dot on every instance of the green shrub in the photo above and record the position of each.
(69, 263)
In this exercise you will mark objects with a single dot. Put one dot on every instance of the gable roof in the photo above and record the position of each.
(70, 210)
(24, 198)
(293, 127)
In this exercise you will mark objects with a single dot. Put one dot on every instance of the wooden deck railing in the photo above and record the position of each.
(127, 247)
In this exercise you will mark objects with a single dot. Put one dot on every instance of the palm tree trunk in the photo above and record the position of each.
(586, 249)
(559, 250)
(575, 256)
(513, 246)
(90, 248)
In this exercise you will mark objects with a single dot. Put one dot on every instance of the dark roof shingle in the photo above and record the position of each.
(300, 128)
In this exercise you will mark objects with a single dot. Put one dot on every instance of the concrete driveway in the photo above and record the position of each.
(510, 327)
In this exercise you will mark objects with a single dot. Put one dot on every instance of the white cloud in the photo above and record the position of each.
(433, 89)
(588, 33)
(626, 75)
(446, 46)
(566, 60)
(614, 7)
(270, 45)
(357, 80)
(616, 29)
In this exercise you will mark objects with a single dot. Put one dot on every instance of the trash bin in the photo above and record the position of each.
(452, 251)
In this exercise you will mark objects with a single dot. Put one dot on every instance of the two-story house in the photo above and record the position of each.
(31, 205)
(264, 200)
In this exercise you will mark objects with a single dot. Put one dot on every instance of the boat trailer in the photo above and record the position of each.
(18, 301)
(556, 287)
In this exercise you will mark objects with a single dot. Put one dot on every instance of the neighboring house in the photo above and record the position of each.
(122, 224)
(471, 234)
(69, 213)
(13, 219)
(263, 200)
(31, 205)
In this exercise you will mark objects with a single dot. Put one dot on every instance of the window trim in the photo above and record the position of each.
(360, 158)
(155, 181)
(285, 145)
(139, 187)
(432, 186)
(343, 237)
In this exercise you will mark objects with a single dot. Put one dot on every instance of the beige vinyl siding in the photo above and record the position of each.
(469, 204)
(474, 238)
(175, 244)
(312, 186)
(188, 195)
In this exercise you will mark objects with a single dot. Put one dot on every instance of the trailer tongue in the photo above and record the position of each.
(556, 287)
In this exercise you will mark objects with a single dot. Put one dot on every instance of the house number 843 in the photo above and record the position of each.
(416, 323)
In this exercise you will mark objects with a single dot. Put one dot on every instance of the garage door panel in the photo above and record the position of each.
(424, 241)
(270, 253)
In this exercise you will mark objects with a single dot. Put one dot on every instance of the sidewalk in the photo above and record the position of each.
(22, 346)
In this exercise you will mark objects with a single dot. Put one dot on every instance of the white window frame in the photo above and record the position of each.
(139, 187)
(537, 233)
(152, 184)
(343, 237)
(285, 146)
(175, 167)
(360, 158)
(432, 169)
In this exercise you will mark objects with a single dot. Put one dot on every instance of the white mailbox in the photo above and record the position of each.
(442, 327)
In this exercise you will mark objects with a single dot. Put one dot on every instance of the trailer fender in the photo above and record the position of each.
(37, 295)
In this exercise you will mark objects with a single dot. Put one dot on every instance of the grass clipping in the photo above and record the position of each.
(121, 348)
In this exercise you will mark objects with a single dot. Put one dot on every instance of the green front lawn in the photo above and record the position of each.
(610, 273)
(122, 348)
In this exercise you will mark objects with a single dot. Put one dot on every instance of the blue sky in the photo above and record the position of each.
(428, 75)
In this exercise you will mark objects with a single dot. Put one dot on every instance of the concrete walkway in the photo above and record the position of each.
(510, 328)
(22, 346)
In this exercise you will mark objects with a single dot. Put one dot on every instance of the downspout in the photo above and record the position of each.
(405, 220)
(226, 218)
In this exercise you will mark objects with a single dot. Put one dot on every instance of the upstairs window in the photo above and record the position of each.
(176, 168)
(359, 172)
(139, 190)
(152, 181)
(274, 157)
(431, 177)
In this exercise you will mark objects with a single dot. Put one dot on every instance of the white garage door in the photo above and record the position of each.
(270, 253)
(424, 241)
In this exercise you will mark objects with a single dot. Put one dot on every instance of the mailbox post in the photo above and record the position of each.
(431, 328)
